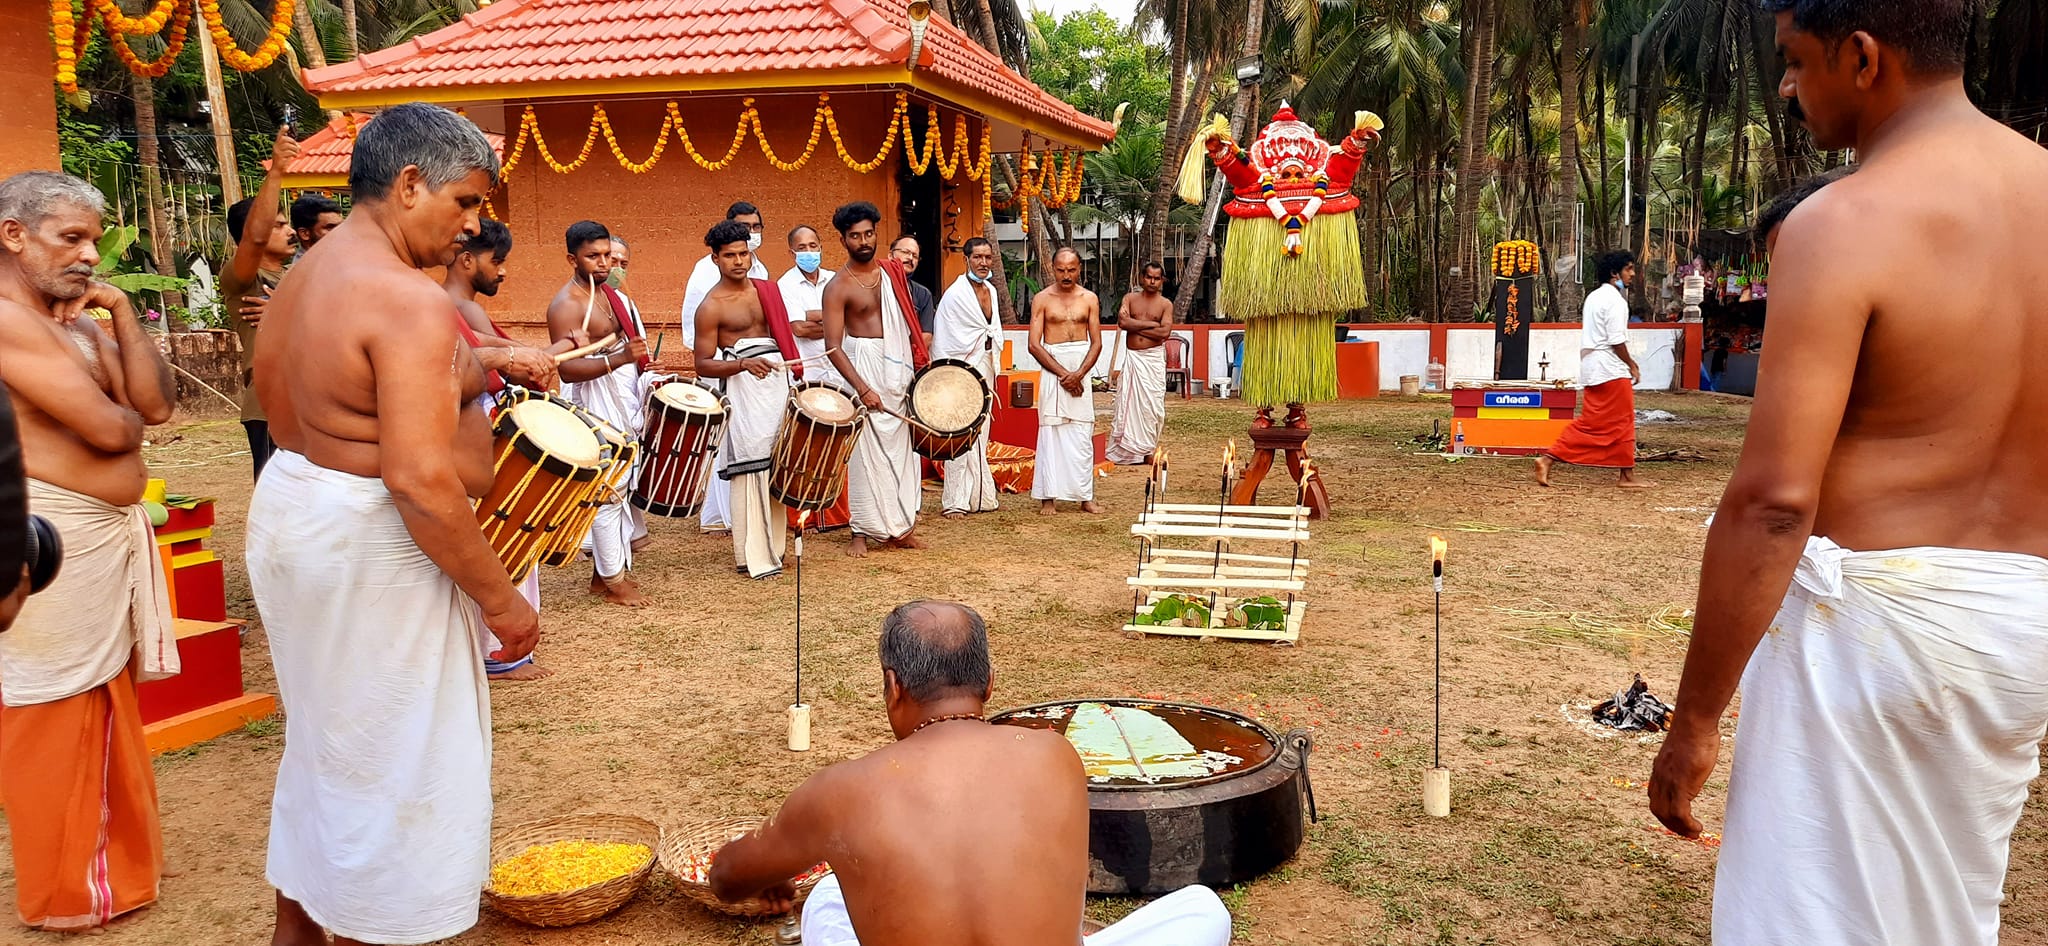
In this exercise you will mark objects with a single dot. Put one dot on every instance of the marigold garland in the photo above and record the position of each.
(149, 24)
(173, 44)
(68, 38)
(224, 42)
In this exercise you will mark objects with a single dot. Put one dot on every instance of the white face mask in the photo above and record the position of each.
(753, 242)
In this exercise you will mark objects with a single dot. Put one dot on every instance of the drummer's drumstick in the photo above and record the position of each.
(595, 346)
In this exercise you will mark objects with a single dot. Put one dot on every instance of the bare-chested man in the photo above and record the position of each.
(606, 384)
(873, 338)
(74, 773)
(1894, 702)
(743, 336)
(1066, 338)
(478, 270)
(1146, 318)
(959, 832)
(375, 585)
(263, 245)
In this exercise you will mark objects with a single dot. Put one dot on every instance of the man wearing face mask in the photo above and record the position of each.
(705, 276)
(969, 327)
(803, 294)
(1604, 435)
(907, 252)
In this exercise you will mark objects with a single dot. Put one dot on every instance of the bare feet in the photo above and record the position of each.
(597, 583)
(623, 592)
(1629, 481)
(859, 548)
(1543, 463)
(1045, 507)
(907, 540)
(524, 672)
(955, 516)
(1090, 507)
(641, 542)
(294, 927)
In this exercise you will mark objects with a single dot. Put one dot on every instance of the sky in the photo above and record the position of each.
(1122, 10)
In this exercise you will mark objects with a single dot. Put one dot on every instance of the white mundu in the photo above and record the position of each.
(1065, 467)
(1190, 916)
(381, 822)
(883, 478)
(1891, 723)
(1140, 406)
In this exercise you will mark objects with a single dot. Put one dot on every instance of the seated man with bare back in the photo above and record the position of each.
(1876, 579)
(375, 584)
(873, 339)
(959, 832)
(743, 336)
(1066, 338)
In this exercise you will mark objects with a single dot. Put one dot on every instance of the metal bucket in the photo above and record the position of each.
(1216, 830)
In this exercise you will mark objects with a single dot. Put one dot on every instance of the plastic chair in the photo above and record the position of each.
(1233, 344)
(1177, 364)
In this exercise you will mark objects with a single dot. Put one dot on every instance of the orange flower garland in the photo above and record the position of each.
(173, 44)
(69, 40)
(148, 24)
(224, 42)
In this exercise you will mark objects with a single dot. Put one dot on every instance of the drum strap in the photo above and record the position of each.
(493, 381)
(899, 281)
(628, 325)
(777, 316)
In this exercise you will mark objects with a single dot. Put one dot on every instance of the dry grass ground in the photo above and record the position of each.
(675, 713)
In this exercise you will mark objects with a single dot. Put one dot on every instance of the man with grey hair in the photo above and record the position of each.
(376, 587)
(74, 773)
(959, 832)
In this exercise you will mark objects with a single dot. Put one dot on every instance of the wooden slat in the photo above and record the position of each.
(1227, 532)
(1228, 556)
(1248, 571)
(1263, 584)
(1196, 519)
(1210, 508)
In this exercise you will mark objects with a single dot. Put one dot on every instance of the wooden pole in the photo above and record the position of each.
(223, 132)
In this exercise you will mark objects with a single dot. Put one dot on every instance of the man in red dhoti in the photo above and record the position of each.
(75, 776)
(1604, 435)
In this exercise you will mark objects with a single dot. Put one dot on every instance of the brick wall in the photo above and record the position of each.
(664, 213)
(28, 105)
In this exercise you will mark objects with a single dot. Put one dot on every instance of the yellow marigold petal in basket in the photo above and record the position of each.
(562, 866)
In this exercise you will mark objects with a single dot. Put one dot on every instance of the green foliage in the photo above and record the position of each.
(1094, 63)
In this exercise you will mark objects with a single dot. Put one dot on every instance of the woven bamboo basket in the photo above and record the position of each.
(582, 905)
(679, 844)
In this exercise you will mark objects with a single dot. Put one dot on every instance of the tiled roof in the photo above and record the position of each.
(324, 154)
(560, 48)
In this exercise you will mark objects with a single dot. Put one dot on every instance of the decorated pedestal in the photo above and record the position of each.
(1511, 420)
(206, 698)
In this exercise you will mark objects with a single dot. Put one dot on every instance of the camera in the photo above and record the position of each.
(42, 552)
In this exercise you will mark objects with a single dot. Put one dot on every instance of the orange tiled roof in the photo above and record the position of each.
(324, 155)
(558, 48)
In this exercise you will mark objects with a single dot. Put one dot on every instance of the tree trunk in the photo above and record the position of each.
(1198, 258)
(1645, 131)
(986, 20)
(1479, 24)
(150, 156)
(1571, 79)
(348, 23)
(1174, 143)
(1603, 230)
(309, 36)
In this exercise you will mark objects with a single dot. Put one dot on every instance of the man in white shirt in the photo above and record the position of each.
(703, 278)
(1604, 435)
(803, 294)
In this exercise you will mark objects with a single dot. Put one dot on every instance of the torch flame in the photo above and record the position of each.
(1308, 471)
(1229, 452)
(802, 518)
(1437, 548)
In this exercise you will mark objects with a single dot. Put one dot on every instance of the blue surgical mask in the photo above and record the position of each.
(977, 280)
(808, 260)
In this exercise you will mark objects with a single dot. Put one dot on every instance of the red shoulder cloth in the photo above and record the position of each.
(777, 316)
(628, 326)
(493, 381)
(899, 280)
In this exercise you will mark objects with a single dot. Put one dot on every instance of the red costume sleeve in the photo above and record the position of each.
(1243, 178)
(777, 317)
(1344, 162)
